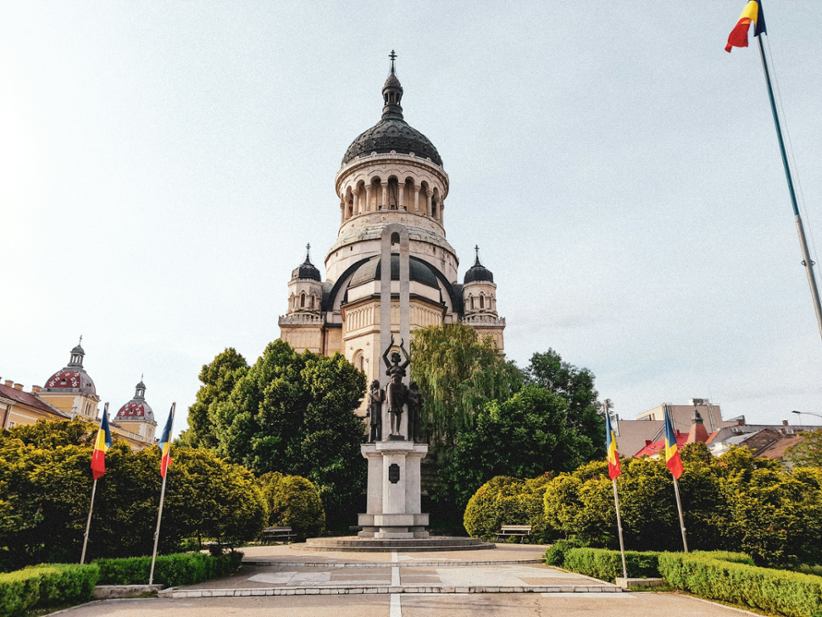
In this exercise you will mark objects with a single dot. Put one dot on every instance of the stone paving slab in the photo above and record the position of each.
(424, 605)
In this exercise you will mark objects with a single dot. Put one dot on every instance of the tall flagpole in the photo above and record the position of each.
(681, 518)
(157, 531)
(166, 435)
(619, 529)
(807, 262)
(88, 522)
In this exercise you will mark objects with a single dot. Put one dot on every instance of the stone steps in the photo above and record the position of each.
(382, 590)
(357, 544)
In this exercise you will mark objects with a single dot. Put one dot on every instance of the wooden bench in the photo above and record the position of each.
(277, 534)
(514, 531)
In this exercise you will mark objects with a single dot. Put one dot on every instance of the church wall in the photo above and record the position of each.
(71, 403)
(303, 337)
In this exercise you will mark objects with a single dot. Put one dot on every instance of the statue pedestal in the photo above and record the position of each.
(394, 491)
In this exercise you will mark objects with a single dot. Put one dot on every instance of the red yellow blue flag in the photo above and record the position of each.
(101, 444)
(672, 459)
(751, 14)
(165, 443)
(611, 448)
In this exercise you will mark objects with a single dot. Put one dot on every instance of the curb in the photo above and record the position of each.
(387, 564)
(380, 590)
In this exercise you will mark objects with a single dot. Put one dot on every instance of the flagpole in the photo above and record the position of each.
(157, 531)
(88, 522)
(681, 518)
(807, 262)
(619, 529)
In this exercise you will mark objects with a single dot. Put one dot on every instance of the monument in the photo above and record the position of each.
(394, 505)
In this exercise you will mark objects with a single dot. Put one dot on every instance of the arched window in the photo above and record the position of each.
(393, 194)
(302, 300)
(482, 301)
(471, 301)
(311, 302)
(358, 360)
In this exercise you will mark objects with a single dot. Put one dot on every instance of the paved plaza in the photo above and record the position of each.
(295, 581)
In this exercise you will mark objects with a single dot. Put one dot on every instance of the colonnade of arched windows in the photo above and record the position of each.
(392, 194)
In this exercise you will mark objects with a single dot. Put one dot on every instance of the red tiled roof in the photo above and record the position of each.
(657, 447)
(29, 399)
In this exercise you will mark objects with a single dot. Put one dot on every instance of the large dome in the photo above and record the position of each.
(392, 133)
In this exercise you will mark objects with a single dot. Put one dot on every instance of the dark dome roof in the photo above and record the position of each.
(392, 132)
(392, 135)
(371, 270)
(478, 272)
(306, 270)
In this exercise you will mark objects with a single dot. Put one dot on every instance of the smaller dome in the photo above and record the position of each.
(306, 270)
(371, 270)
(137, 409)
(478, 272)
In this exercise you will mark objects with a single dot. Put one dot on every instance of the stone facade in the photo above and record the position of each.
(391, 174)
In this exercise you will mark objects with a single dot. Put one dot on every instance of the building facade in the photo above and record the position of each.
(390, 174)
(70, 393)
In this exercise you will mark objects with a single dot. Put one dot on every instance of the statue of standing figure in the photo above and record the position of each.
(375, 400)
(414, 404)
(396, 392)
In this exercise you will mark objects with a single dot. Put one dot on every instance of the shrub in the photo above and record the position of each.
(169, 570)
(774, 591)
(606, 565)
(46, 585)
(506, 501)
(293, 501)
(555, 554)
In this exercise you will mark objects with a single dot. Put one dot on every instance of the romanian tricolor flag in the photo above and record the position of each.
(672, 458)
(101, 444)
(165, 443)
(751, 14)
(611, 449)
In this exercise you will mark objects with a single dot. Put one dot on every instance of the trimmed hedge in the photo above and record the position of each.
(46, 585)
(774, 591)
(170, 570)
(555, 554)
(606, 564)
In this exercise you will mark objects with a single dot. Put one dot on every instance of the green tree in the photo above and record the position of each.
(808, 452)
(576, 386)
(294, 413)
(523, 436)
(217, 379)
(293, 501)
(458, 373)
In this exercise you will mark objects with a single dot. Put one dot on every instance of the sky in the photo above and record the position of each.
(163, 164)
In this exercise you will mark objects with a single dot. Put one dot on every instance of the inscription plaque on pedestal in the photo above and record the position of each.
(393, 473)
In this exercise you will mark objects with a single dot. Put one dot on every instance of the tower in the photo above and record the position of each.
(390, 174)
(71, 389)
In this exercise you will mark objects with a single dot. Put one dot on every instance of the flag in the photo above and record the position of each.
(672, 458)
(752, 13)
(101, 444)
(611, 448)
(165, 443)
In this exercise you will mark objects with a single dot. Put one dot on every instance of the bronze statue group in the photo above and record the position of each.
(397, 395)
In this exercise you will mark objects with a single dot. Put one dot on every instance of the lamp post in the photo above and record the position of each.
(807, 413)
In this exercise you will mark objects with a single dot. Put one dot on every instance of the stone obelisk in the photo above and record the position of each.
(394, 502)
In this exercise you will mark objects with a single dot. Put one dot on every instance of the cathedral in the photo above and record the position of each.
(390, 174)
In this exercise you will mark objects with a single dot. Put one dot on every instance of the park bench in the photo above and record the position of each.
(513, 531)
(277, 534)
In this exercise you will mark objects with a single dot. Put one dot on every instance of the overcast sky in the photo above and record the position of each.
(163, 164)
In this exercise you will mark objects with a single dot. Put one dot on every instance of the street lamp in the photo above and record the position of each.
(807, 413)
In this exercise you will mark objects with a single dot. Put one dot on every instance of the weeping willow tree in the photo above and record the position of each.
(457, 373)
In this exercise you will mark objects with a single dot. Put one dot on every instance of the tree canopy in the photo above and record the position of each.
(292, 413)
